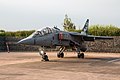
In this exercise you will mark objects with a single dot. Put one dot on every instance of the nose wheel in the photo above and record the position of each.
(43, 55)
(45, 58)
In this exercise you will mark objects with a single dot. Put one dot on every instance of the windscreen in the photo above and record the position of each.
(43, 32)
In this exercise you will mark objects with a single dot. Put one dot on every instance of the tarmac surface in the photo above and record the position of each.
(28, 66)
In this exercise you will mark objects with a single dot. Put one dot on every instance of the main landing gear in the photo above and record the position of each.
(60, 54)
(80, 55)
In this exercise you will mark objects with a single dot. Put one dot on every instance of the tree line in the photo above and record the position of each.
(16, 33)
(98, 30)
(102, 30)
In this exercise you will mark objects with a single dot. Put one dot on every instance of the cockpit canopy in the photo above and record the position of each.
(44, 31)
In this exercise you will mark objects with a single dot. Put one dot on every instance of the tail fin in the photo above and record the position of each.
(85, 28)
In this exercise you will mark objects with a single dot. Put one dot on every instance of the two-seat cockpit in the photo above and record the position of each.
(44, 31)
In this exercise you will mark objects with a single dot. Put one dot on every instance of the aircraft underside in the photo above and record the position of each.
(60, 53)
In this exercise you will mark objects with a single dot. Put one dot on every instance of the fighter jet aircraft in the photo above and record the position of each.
(52, 37)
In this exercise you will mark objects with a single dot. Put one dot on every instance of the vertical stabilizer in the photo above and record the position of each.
(85, 28)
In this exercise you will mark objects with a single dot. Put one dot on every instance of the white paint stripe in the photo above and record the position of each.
(114, 60)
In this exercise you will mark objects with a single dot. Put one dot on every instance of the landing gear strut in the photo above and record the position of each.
(60, 54)
(43, 54)
(79, 55)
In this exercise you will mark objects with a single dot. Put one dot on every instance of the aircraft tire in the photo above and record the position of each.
(82, 55)
(58, 55)
(45, 58)
(62, 55)
(79, 55)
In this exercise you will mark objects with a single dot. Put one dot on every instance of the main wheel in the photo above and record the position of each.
(58, 55)
(82, 55)
(78, 55)
(62, 55)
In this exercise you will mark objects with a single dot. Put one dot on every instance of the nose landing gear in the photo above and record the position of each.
(43, 54)
(45, 57)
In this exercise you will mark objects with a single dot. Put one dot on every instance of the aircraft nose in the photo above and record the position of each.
(27, 41)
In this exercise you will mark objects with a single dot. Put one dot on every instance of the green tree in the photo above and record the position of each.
(2, 32)
(68, 25)
(104, 30)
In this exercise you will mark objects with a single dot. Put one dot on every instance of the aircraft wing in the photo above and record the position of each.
(90, 37)
(102, 37)
(84, 34)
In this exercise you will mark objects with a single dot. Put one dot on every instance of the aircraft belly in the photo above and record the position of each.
(43, 42)
(61, 43)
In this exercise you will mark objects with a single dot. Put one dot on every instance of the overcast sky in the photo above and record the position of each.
(36, 14)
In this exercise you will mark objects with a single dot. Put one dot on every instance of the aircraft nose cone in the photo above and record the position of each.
(27, 41)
